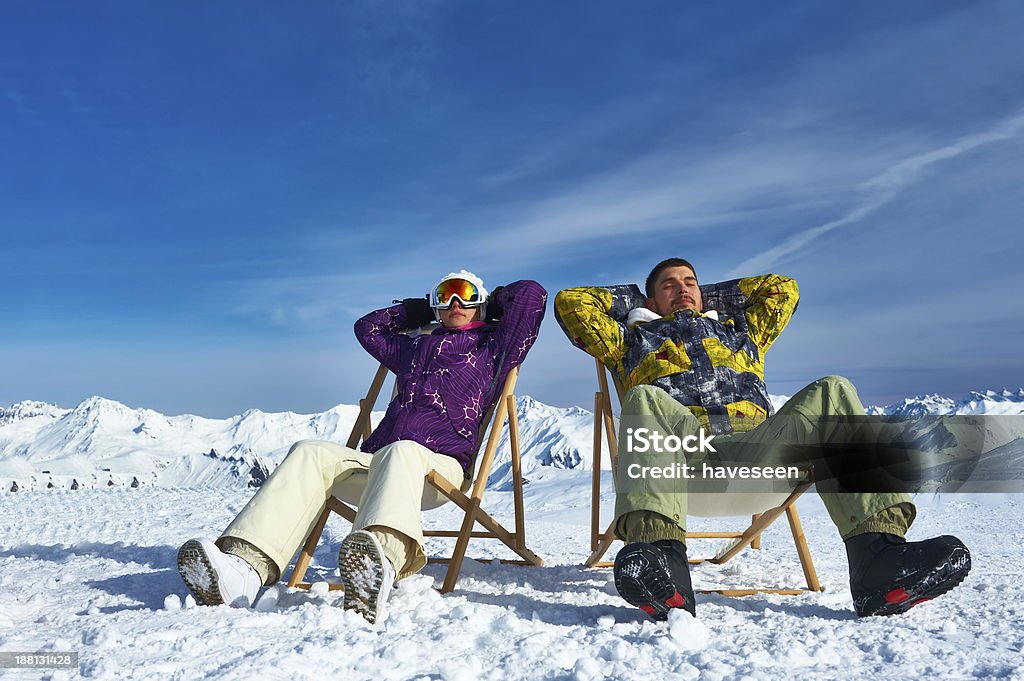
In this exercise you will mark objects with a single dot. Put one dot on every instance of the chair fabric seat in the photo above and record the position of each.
(724, 504)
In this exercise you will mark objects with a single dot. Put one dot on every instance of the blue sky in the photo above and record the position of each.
(197, 199)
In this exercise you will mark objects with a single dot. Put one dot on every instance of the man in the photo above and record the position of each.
(686, 369)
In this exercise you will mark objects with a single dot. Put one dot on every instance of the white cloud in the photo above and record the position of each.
(678, 190)
(882, 189)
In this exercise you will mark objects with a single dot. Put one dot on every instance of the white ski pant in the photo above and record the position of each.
(388, 486)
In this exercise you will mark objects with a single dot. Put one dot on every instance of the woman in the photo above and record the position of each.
(446, 383)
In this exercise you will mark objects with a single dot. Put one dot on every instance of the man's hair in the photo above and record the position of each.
(652, 278)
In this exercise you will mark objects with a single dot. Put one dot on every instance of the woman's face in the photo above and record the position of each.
(456, 315)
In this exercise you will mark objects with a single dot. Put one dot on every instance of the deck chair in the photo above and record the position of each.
(438, 491)
(764, 508)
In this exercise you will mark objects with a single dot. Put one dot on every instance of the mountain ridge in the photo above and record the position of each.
(104, 443)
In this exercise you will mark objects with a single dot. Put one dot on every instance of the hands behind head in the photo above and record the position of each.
(418, 313)
(494, 309)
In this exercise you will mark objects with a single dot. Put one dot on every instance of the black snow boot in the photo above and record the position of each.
(889, 575)
(655, 577)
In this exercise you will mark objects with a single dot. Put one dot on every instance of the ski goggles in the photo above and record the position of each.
(468, 293)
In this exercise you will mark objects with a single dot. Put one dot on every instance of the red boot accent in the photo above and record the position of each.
(649, 609)
(676, 601)
(897, 595)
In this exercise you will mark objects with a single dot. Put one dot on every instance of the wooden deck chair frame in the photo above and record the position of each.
(504, 408)
(600, 541)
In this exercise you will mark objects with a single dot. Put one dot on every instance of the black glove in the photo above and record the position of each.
(494, 309)
(418, 313)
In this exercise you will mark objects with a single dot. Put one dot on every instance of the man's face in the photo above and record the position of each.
(675, 289)
(456, 315)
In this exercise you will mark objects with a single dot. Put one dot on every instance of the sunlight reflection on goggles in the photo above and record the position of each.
(466, 291)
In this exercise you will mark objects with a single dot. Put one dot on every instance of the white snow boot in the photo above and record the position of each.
(215, 577)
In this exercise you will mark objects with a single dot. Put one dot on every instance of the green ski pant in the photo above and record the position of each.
(648, 509)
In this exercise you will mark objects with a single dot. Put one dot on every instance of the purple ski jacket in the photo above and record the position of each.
(448, 379)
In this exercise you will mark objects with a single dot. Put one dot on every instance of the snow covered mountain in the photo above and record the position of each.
(103, 443)
(990, 402)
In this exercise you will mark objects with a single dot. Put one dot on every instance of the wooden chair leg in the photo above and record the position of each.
(595, 479)
(361, 428)
(501, 411)
(465, 532)
(802, 549)
(517, 474)
(600, 542)
(605, 543)
(756, 544)
(306, 555)
(366, 421)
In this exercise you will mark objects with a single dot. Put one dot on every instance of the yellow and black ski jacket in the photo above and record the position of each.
(714, 367)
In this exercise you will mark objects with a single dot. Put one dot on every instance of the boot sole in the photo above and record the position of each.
(362, 573)
(948, 576)
(643, 583)
(198, 574)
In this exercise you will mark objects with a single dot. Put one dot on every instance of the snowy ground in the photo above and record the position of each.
(92, 571)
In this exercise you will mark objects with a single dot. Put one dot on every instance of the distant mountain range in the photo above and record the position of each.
(989, 402)
(103, 443)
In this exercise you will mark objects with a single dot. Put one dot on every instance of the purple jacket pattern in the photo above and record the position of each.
(448, 379)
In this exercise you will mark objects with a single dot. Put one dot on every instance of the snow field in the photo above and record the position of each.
(93, 571)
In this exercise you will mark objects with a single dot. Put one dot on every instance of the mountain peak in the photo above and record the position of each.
(1000, 396)
(100, 403)
(992, 402)
(27, 409)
